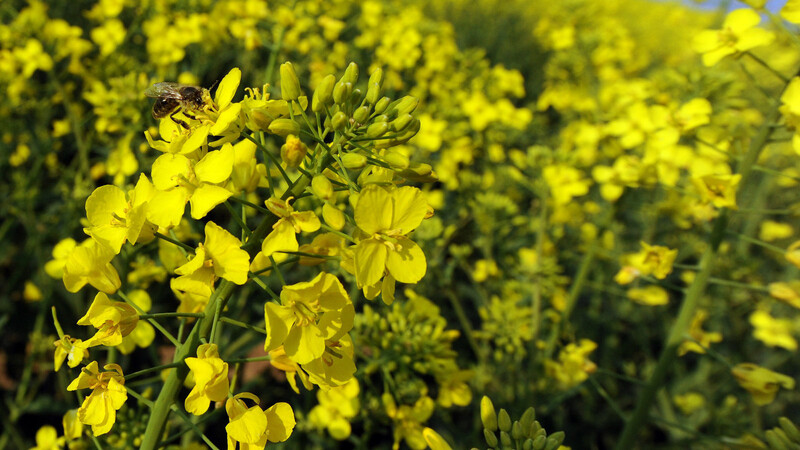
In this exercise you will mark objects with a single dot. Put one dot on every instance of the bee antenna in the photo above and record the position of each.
(213, 85)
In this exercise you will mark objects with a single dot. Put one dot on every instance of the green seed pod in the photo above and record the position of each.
(790, 429)
(516, 430)
(351, 73)
(361, 115)
(505, 439)
(323, 95)
(322, 187)
(491, 439)
(341, 92)
(554, 440)
(488, 416)
(539, 442)
(354, 161)
(382, 104)
(527, 418)
(401, 122)
(284, 127)
(339, 121)
(399, 161)
(377, 129)
(290, 85)
(504, 420)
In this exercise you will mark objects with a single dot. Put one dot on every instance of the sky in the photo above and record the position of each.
(772, 5)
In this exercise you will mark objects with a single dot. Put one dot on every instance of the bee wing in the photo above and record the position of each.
(165, 89)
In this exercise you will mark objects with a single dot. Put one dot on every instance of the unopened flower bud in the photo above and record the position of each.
(504, 420)
(516, 430)
(322, 187)
(354, 161)
(373, 91)
(396, 160)
(361, 114)
(491, 439)
(333, 216)
(539, 442)
(351, 73)
(323, 94)
(554, 440)
(527, 418)
(377, 129)
(355, 96)
(407, 105)
(419, 172)
(339, 121)
(382, 104)
(505, 439)
(401, 122)
(293, 151)
(290, 85)
(284, 127)
(341, 92)
(488, 416)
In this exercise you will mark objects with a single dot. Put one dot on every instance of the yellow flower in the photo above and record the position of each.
(115, 218)
(220, 254)
(71, 349)
(653, 260)
(335, 409)
(719, 190)
(73, 428)
(113, 320)
(791, 11)
(793, 253)
(283, 237)
(650, 295)
(309, 314)
(771, 331)
(739, 33)
(700, 338)
(61, 251)
(565, 183)
(573, 366)
(253, 427)
(435, 440)
(90, 263)
(47, 439)
(108, 395)
(689, 402)
(408, 420)
(762, 383)
(386, 217)
(786, 292)
(773, 231)
(144, 333)
(210, 378)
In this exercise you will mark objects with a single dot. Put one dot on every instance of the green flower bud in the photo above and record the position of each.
(333, 216)
(377, 129)
(293, 151)
(790, 429)
(322, 187)
(284, 127)
(401, 122)
(527, 444)
(407, 105)
(323, 94)
(290, 85)
(381, 118)
(516, 430)
(505, 439)
(540, 442)
(351, 73)
(339, 121)
(382, 104)
(341, 92)
(504, 420)
(354, 161)
(376, 77)
(423, 173)
(355, 96)
(400, 161)
(527, 418)
(554, 440)
(373, 91)
(488, 416)
(361, 114)
(491, 439)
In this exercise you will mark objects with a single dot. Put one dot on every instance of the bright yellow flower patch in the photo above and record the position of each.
(108, 395)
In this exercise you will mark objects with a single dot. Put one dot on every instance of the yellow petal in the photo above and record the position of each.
(227, 88)
(370, 257)
(407, 263)
(205, 198)
(280, 418)
(373, 212)
(410, 208)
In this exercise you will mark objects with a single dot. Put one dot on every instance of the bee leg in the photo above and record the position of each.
(178, 121)
(186, 113)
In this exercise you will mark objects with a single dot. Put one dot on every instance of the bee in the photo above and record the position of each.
(172, 98)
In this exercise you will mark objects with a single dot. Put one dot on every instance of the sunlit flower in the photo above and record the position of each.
(761, 383)
(739, 33)
(210, 378)
(251, 428)
(108, 395)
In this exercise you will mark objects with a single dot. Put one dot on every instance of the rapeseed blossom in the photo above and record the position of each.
(253, 427)
(108, 395)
